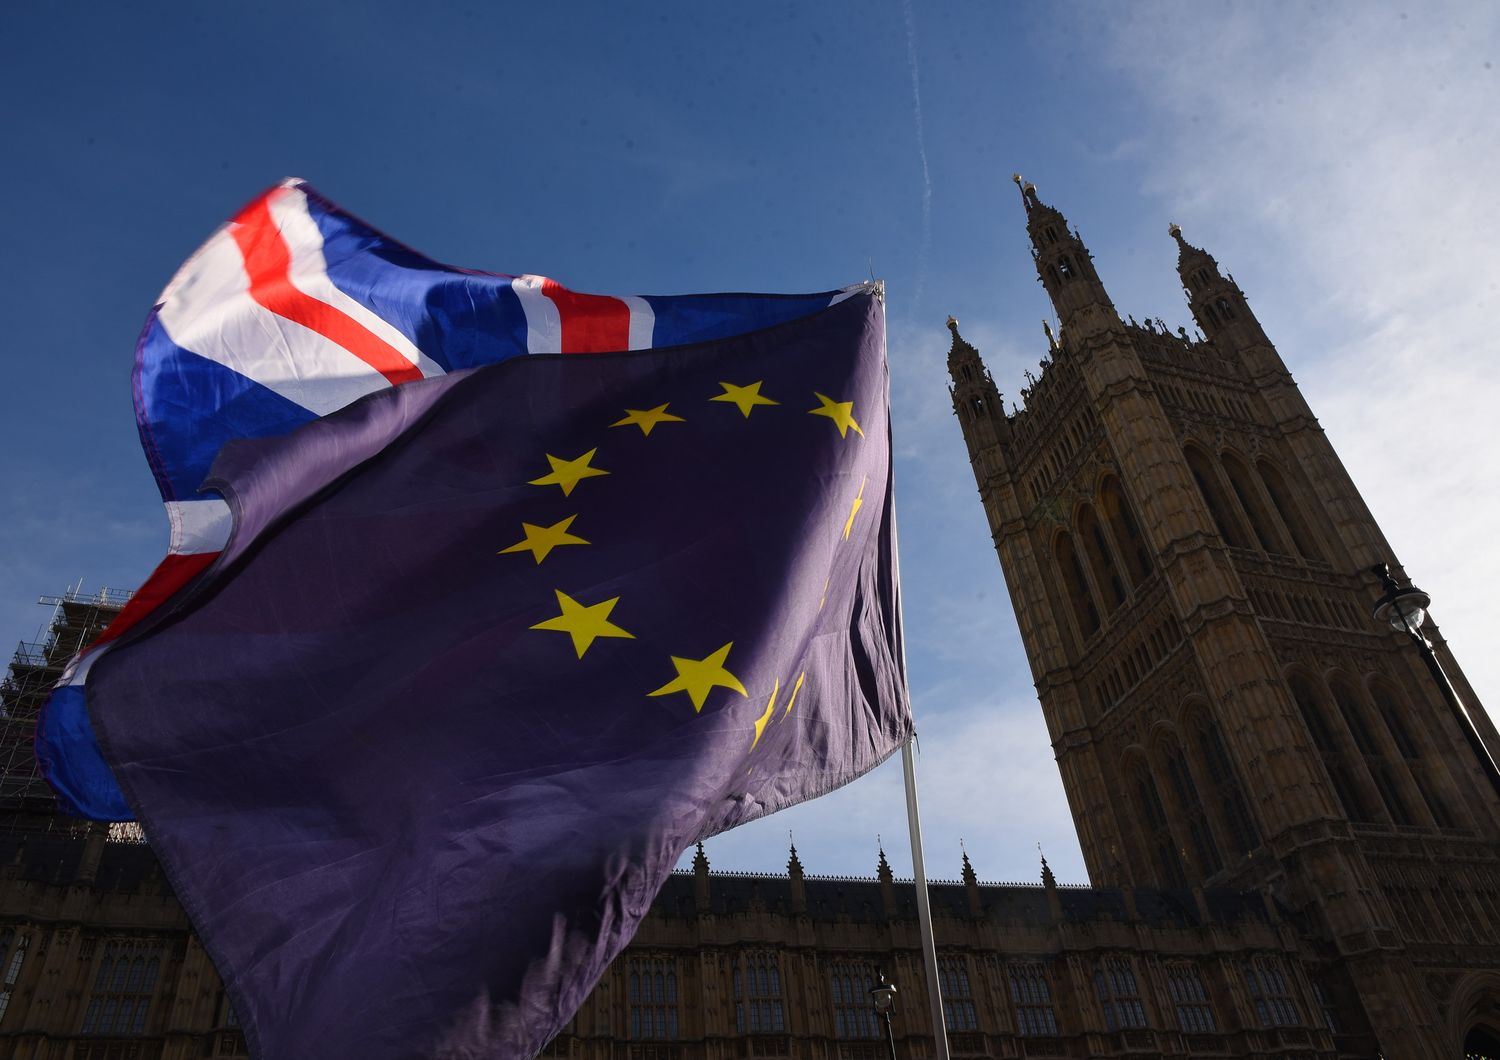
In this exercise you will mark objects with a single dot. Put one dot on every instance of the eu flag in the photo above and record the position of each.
(487, 651)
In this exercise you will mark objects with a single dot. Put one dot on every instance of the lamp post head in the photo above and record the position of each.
(1403, 609)
(883, 995)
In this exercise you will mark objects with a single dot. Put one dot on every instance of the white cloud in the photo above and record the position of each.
(1340, 160)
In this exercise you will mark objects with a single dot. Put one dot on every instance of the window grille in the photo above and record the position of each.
(1119, 995)
(1035, 1017)
(653, 997)
(123, 988)
(1274, 1004)
(853, 1011)
(1194, 1013)
(757, 995)
(959, 1013)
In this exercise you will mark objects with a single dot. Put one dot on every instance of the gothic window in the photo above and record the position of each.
(1381, 772)
(1207, 478)
(1225, 309)
(12, 966)
(1100, 558)
(968, 373)
(1249, 497)
(757, 995)
(1155, 829)
(977, 405)
(1212, 317)
(1391, 708)
(1051, 235)
(959, 1013)
(1076, 584)
(123, 988)
(1065, 267)
(1119, 996)
(1287, 508)
(1129, 544)
(1226, 789)
(853, 1015)
(653, 997)
(1269, 992)
(1325, 1002)
(1310, 704)
(1032, 996)
(1202, 278)
(1195, 1015)
(1191, 807)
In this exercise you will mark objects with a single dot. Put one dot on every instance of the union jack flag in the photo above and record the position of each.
(291, 311)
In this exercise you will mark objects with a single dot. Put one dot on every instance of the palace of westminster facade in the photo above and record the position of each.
(1293, 851)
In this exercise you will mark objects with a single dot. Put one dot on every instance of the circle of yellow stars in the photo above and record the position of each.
(585, 623)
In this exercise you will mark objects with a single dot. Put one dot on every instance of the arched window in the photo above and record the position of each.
(1101, 560)
(1310, 704)
(1225, 309)
(1391, 706)
(1152, 818)
(1226, 791)
(1207, 478)
(1129, 544)
(1381, 771)
(1244, 486)
(1071, 571)
(1065, 267)
(1190, 806)
(1287, 508)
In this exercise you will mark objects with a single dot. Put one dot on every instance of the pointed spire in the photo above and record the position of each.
(795, 880)
(701, 894)
(887, 882)
(971, 885)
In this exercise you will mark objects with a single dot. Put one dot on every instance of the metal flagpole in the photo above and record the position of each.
(924, 907)
(913, 817)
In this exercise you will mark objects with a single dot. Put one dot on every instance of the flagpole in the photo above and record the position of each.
(924, 906)
(909, 771)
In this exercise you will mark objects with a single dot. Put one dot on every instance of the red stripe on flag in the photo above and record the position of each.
(591, 323)
(268, 264)
(170, 575)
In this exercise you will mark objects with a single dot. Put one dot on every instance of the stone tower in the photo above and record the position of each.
(1189, 564)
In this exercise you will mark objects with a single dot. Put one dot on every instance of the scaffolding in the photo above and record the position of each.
(26, 802)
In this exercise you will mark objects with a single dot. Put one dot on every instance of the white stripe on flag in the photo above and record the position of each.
(200, 525)
(207, 310)
(642, 322)
(309, 274)
(543, 324)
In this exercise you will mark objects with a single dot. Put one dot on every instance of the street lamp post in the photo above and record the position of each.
(1405, 610)
(883, 997)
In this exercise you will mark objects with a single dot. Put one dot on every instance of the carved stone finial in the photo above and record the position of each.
(953, 324)
(1175, 232)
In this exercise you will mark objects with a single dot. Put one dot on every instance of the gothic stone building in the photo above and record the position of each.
(1292, 851)
(1190, 565)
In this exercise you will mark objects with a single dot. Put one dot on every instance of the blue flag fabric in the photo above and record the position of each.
(485, 653)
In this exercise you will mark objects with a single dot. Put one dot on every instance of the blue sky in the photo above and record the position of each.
(1338, 159)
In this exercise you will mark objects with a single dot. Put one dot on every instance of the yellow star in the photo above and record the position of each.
(645, 419)
(541, 540)
(697, 676)
(760, 722)
(795, 689)
(840, 412)
(745, 397)
(584, 623)
(853, 511)
(567, 473)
